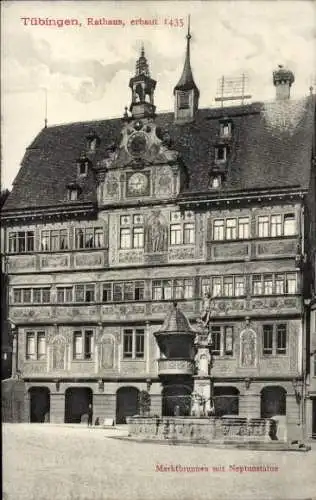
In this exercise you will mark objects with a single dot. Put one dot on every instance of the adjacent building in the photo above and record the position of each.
(120, 234)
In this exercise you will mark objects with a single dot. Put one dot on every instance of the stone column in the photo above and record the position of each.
(57, 408)
(147, 346)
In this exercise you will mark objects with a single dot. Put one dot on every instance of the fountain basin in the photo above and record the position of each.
(202, 429)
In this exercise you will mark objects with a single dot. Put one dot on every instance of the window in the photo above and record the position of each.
(279, 284)
(220, 153)
(243, 228)
(89, 237)
(291, 283)
(30, 346)
(31, 295)
(225, 129)
(83, 344)
(35, 348)
(257, 284)
(172, 289)
(123, 291)
(289, 225)
(217, 287)
(131, 231)
(263, 226)
(276, 225)
(182, 228)
(267, 284)
(231, 233)
(85, 293)
(183, 99)
(83, 168)
(218, 229)
(216, 340)
(215, 182)
(281, 339)
(231, 228)
(21, 241)
(65, 294)
(228, 343)
(133, 343)
(267, 339)
(274, 339)
(222, 340)
(228, 286)
(73, 193)
(239, 286)
(54, 240)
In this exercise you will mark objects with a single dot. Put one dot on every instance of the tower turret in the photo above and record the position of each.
(143, 87)
(282, 80)
(186, 92)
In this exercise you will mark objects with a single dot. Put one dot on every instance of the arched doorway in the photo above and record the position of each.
(176, 400)
(226, 400)
(273, 401)
(127, 403)
(39, 404)
(77, 400)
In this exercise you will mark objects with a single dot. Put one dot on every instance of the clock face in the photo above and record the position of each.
(137, 144)
(138, 183)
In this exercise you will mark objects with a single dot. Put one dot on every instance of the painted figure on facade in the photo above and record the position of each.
(248, 348)
(59, 350)
(107, 353)
(156, 234)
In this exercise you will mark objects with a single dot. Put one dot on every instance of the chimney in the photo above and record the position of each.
(282, 80)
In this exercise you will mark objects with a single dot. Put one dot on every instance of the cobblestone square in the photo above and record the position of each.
(51, 462)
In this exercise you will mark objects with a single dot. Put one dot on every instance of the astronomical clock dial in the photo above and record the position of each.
(137, 144)
(137, 184)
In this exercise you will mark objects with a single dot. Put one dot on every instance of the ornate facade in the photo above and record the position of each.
(110, 222)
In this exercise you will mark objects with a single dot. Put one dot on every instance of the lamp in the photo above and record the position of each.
(57, 385)
(297, 389)
(101, 385)
(247, 382)
(149, 383)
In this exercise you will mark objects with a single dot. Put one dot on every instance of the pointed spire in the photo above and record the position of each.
(186, 81)
(142, 67)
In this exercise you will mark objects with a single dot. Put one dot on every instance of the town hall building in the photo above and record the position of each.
(130, 240)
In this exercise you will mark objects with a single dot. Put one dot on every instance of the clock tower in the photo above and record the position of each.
(143, 87)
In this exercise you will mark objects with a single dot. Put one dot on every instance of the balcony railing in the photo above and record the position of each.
(178, 366)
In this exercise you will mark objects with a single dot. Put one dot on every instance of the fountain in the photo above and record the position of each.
(189, 408)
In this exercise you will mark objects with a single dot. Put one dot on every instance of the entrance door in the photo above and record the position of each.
(226, 400)
(273, 401)
(39, 404)
(127, 403)
(77, 400)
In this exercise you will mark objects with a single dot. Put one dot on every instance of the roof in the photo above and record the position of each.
(186, 81)
(175, 322)
(270, 147)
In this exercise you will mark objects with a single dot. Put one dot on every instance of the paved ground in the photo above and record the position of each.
(50, 462)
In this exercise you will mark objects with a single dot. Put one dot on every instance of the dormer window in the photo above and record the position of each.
(215, 182)
(73, 192)
(93, 142)
(83, 168)
(183, 99)
(221, 153)
(225, 129)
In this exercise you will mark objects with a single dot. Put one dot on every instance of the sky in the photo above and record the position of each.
(86, 68)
